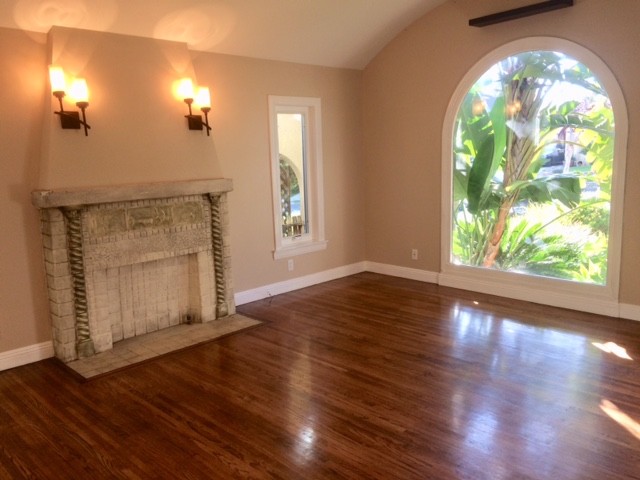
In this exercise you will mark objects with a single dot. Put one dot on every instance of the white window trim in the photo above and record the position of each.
(600, 299)
(314, 240)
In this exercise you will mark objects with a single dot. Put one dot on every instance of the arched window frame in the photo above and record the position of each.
(594, 298)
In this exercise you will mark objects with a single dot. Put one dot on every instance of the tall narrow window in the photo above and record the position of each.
(296, 170)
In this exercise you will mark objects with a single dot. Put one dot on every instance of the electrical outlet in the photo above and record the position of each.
(290, 264)
(414, 254)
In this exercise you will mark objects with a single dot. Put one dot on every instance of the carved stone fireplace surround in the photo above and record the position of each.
(129, 260)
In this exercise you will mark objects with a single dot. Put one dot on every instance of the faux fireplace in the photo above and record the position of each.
(129, 260)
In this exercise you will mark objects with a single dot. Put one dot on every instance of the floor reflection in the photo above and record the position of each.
(613, 348)
(621, 418)
(529, 361)
(301, 409)
(304, 447)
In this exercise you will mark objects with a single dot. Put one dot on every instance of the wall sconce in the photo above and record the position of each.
(202, 101)
(78, 91)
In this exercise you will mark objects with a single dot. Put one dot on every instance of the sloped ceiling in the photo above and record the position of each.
(335, 33)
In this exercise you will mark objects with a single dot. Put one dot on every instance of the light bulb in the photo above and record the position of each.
(79, 91)
(56, 77)
(203, 98)
(185, 89)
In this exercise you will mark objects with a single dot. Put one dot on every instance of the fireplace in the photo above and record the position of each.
(129, 260)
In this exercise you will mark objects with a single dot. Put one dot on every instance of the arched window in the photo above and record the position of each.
(534, 171)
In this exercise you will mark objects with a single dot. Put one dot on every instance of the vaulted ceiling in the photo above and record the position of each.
(336, 33)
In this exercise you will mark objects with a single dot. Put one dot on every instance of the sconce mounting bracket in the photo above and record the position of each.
(69, 120)
(195, 122)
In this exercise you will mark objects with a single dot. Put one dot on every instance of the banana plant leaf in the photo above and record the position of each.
(488, 159)
(564, 188)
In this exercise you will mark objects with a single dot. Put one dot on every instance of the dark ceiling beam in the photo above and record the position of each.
(521, 12)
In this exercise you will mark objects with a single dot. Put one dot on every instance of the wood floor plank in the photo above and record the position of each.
(366, 377)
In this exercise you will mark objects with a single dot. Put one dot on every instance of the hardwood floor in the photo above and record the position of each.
(366, 377)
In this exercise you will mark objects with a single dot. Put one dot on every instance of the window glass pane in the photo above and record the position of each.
(292, 157)
(295, 125)
(533, 168)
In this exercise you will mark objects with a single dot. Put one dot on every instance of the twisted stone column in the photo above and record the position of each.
(222, 309)
(84, 344)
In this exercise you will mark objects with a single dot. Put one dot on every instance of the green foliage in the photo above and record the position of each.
(470, 236)
(525, 248)
(594, 216)
(531, 247)
(593, 267)
(564, 188)
(488, 159)
(499, 157)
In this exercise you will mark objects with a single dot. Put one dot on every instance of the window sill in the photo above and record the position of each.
(299, 249)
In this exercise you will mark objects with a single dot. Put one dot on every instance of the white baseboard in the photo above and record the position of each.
(266, 291)
(24, 355)
(556, 299)
(630, 312)
(591, 304)
(403, 272)
(561, 299)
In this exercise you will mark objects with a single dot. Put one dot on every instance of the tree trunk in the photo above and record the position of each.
(493, 248)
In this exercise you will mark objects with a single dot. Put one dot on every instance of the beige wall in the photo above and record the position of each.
(138, 131)
(23, 304)
(139, 135)
(406, 90)
(240, 88)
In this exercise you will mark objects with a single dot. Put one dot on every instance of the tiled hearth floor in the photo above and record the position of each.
(145, 347)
